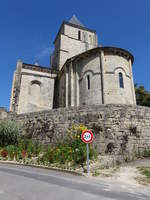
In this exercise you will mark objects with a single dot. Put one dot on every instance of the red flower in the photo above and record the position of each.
(23, 153)
(4, 153)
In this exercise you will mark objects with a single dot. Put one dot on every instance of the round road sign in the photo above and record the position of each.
(87, 136)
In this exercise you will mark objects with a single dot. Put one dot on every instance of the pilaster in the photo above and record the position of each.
(72, 84)
(102, 76)
(132, 82)
(16, 88)
(66, 86)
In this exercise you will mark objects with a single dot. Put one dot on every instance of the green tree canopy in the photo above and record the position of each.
(142, 96)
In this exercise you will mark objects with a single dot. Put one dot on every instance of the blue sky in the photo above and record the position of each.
(28, 28)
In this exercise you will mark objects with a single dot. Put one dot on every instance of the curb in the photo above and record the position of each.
(43, 167)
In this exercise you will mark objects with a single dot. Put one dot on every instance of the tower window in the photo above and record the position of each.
(88, 82)
(90, 38)
(79, 35)
(121, 84)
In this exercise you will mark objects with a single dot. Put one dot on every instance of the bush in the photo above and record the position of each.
(78, 147)
(71, 150)
(9, 133)
(11, 149)
(32, 148)
(4, 153)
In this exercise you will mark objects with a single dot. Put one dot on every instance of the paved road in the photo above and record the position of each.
(27, 183)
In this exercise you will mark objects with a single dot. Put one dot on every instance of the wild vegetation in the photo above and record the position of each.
(68, 153)
(142, 96)
(9, 133)
(145, 172)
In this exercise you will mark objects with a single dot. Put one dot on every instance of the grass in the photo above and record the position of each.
(145, 178)
(145, 171)
(96, 173)
(105, 172)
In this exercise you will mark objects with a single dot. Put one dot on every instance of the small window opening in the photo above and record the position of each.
(121, 84)
(88, 82)
(79, 35)
(90, 38)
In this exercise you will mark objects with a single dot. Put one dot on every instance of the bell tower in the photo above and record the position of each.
(72, 39)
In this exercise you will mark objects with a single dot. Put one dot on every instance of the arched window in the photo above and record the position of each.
(121, 84)
(36, 82)
(35, 92)
(88, 82)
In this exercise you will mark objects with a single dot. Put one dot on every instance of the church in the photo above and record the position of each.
(80, 73)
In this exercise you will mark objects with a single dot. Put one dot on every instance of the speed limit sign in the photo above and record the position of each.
(87, 136)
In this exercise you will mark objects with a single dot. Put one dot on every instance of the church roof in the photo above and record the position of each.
(108, 49)
(74, 20)
(75, 23)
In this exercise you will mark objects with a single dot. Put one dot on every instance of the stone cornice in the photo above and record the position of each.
(39, 68)
(110, 50)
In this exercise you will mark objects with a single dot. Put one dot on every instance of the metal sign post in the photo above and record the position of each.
(87, 151)
(87, 137)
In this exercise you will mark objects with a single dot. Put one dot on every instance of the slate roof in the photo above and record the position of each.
(75, 23)
(74, 20)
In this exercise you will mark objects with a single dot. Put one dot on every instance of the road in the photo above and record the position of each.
(27, 183)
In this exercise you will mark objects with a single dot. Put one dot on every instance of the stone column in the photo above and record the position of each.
(3, 113)
(76, 86)
(72, 84)
(16, 88)
(66, 86)
(132, 82)
(102, 76)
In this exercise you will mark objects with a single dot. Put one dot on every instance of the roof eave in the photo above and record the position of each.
(107, 48)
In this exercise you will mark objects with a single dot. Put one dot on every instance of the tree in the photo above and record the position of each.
(142, 96)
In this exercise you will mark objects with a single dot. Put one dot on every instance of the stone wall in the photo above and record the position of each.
(100, 68)
(32, 88)
(113, 65)
(67, 43)
(3, 113)
(90, 66)
(16, 88)
(36, 91)
(121, 131)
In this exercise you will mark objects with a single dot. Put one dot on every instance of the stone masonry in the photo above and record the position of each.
(81, 73)
(121, 131)
(85, 83)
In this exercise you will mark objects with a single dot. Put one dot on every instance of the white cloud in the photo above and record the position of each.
(44, 52)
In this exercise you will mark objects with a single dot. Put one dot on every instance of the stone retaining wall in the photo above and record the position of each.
(3, 113)
(121, 131)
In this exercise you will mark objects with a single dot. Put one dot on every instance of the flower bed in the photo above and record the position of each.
(68, 154)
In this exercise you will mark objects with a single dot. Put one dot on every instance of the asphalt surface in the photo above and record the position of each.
(27, 183)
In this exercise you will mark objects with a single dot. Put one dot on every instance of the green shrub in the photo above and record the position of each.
(11, 149)
(9, 133)
(78, 147)
(70, 150)
(33, 148)
(145, 171)
(47, 157)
